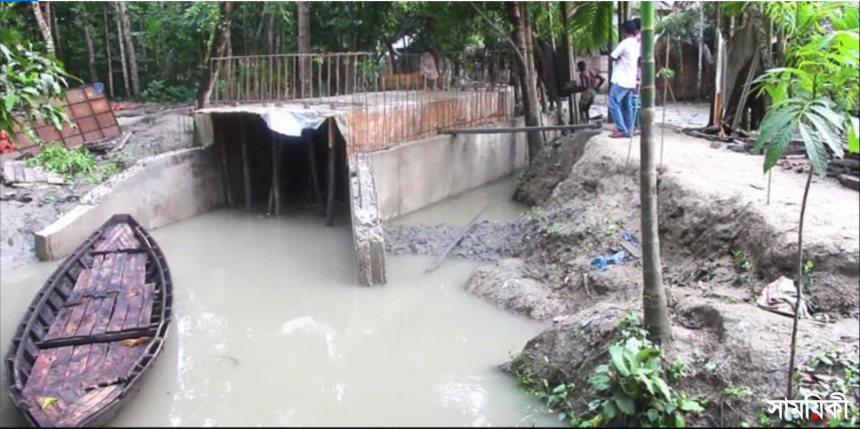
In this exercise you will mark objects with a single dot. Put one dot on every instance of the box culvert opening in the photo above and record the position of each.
(252, 155)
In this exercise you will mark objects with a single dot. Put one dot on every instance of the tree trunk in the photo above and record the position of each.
(701, 50)
(52, 18)
(654, 297)
(160, 45)
(108, 58)
(567, 46)
(91, 53)
(129, 49)
(530, 103)
(305, 66)
(44, 28)
(800, 279)
(270, 32)
(609, 118)
(121, 50)
(222, 35)
(717, 109)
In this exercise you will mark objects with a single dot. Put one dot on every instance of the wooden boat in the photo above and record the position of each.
(93, 330)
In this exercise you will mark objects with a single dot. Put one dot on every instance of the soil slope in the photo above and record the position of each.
(721, 244)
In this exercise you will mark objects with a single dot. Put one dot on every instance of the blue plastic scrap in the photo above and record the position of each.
(630, 238)
(599, 263)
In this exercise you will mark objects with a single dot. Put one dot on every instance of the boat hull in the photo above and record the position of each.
(93, 330)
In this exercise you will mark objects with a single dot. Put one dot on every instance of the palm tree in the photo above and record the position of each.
(654, 296)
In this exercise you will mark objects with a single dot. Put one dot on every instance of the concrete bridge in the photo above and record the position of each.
(380, 151)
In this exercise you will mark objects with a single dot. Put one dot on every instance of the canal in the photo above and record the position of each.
(271, 330)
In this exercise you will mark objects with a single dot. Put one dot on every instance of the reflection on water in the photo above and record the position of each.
(271, 330)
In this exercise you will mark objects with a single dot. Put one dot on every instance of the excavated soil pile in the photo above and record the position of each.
(721, 245)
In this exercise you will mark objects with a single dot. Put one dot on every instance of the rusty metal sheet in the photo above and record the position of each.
(90, 112)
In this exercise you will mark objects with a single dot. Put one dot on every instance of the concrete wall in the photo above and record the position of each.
(414, 175)
(156, 191)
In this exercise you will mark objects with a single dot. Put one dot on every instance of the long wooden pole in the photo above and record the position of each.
(315, 179)
(228, 188)
(276, 173)
(509, 130)
(246, 163)
(654, 296)
(453, 244)
(332, 155)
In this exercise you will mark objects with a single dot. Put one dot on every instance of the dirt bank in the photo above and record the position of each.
(721, 244)
(25, 211)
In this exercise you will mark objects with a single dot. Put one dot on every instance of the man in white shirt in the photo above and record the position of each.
(624, 71)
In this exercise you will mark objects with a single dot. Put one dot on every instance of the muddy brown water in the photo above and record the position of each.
(270, 329)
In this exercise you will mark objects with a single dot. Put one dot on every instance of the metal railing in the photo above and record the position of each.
(384, 98)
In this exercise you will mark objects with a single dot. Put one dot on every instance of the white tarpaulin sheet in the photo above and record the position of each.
(288, 120)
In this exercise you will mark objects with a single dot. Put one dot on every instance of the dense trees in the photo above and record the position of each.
(158, 50)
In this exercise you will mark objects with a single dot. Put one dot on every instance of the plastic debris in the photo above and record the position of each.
(599, 263)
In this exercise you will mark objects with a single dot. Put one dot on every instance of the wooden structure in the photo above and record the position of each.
(93, 330)
(89, 111)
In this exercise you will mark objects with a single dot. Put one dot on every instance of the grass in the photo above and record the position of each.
(72, 163)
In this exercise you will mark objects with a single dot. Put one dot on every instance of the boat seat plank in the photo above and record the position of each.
(100, 263)
(112, 283)
(99, 368)
(65, 313)
(119, 236)
(109, 236)
(105, 337)
(95, 399)
(82, 316)
(133, 278)
(126, 354)
(56, 378)
(36, 383)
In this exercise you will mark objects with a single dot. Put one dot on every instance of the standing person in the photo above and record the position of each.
(623, 80)
(590, 81)
(425, 44)
(637, 105)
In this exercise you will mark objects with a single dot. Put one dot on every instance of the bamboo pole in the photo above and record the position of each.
(228, 188)
(276, 173)
(331, 174)
(312, 159)
(509, 130)
(246, 163)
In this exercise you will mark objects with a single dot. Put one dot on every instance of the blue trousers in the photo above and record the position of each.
(621, 107)
(637, 111)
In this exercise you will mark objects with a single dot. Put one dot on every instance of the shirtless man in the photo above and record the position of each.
(590, 81)
(425, 44)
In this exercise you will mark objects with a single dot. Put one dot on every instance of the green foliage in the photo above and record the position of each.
(29, 80)
(631, 389)
(591, 25)
(665, 73)
(160, 91)
(817, 91)
(72, 163)
(742, 260)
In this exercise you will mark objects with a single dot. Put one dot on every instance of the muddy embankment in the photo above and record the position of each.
(718, 252)
(24, 211)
